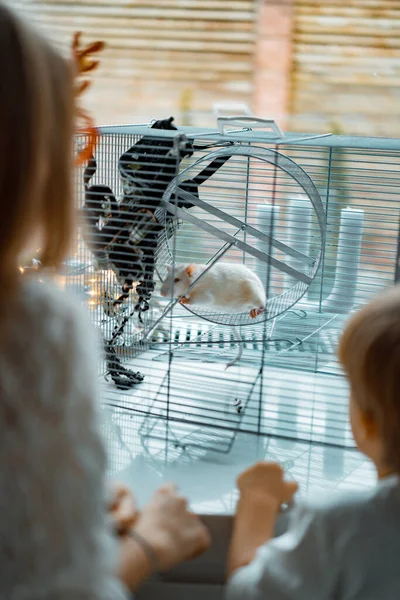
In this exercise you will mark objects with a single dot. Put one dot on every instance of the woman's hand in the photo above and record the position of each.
(267, 478)
(122, 507)
(174, 533)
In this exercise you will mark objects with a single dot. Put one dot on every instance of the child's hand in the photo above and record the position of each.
(262, 491)
(122, 507)
(267, 479)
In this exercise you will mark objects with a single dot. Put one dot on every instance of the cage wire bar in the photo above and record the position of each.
(317, 218)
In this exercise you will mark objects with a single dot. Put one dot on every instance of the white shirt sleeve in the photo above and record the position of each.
(294, 566)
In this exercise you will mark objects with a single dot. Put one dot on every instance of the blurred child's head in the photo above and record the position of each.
(36, 124)
(369, 351)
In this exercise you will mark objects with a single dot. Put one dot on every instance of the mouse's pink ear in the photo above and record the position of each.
(190, 270)
(169, 268)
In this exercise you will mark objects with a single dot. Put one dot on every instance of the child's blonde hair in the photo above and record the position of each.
(36, 124)
(369, 351)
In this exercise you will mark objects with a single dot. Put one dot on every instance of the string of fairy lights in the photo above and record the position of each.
(97, 288)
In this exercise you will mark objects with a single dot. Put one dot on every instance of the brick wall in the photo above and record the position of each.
(273, 60)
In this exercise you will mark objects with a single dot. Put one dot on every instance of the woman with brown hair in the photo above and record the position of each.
(56, 541)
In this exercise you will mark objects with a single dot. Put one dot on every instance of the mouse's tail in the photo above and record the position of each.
(240, 349)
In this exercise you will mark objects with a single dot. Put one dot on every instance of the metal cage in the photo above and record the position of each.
(316, 217)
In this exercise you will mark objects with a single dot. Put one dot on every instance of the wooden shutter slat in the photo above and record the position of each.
(346, 65)
(157, 49)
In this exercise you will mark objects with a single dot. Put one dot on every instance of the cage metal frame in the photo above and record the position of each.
(329, 143)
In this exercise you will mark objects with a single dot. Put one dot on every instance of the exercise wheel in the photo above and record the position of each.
(240, 232)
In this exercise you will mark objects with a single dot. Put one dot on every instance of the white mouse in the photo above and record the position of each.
(226, 287)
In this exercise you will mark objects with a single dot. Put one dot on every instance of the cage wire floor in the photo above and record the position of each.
(207, 477)
(305, 339)
(206, 441)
